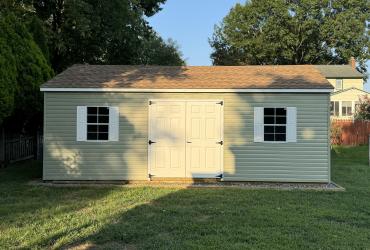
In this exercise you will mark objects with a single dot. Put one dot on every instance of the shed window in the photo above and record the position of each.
(339, 84)
(97, 123)
(346, 108)
(275, 121)
(334, 108)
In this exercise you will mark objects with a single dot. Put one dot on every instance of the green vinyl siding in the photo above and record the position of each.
(307, 160)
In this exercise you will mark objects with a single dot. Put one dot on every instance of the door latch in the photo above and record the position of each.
(150, 142)
(220, 142)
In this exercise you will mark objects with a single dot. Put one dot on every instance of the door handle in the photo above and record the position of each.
(150, 142)
(188, 142)
(220, 142)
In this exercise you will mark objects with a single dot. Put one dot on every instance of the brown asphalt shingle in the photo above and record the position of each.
(190, 77)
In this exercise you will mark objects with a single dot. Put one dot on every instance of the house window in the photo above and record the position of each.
(339, 84)
(97, 123)
(334, 108)
(346, 108)
(275, 120)
(357, 106)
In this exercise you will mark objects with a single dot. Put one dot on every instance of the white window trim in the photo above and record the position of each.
(258, 126)
(341, 84)
(85, 123)
(103, 106)
(286, 126)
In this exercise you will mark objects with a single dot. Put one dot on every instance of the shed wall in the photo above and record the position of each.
(307, 160)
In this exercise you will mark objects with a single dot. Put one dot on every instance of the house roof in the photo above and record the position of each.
(190, 77)
(348, 89)
(339, 71)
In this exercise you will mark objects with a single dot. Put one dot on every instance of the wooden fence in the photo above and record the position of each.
(350, 132)
(15, 148)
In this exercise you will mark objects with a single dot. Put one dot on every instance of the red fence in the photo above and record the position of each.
(350, 132)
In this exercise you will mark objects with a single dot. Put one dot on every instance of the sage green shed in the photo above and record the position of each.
(247, 123)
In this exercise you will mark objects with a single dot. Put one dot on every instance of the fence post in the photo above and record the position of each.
(2, 147)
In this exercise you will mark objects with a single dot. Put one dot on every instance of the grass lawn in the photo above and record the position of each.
(149, 218)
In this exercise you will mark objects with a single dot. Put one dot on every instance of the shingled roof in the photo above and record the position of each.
(339, 71)
(190, 77)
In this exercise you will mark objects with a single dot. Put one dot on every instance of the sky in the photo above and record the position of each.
(190, 23)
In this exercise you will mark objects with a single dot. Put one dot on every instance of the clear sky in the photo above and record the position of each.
(190, 23)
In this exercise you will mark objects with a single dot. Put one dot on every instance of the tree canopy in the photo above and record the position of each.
(293, 32)
(23, 68)
(38, 37)
(103, 32)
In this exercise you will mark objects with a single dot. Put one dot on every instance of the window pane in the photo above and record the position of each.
(336, 108)
(269, 129)
(103, 119)
(280, 129)
(280, 137)
(92, 110)
(331, 108)
(92, 136)
(269, 111)
(346, 104)
(92, 128)
(349, 110)
(269, 137)
(281, 120)
(338, 84)
(92, 119)
(104, 110)
(269, 120)
(103, 136)
(281, 111)
(103, 128)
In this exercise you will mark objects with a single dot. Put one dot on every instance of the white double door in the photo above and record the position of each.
(185, 139)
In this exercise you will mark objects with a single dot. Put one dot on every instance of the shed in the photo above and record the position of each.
(236, 123)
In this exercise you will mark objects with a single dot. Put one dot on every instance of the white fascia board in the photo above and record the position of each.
(187, 90)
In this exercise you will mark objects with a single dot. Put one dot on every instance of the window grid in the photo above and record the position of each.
(339, 84)
(346, 108)
(334, 108)
(275, 124)
(97, 123)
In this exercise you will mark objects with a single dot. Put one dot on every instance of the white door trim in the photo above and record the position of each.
(152, 101)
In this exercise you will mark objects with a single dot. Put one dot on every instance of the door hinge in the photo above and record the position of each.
(151, 102)
(221, 103)
(150, 142)
(220, 142)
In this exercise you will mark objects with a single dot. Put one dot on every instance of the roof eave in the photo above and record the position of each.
(250, 90)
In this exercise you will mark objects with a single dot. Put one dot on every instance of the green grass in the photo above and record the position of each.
(150, 218)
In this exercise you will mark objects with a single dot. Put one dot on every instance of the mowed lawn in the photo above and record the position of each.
(150, 218)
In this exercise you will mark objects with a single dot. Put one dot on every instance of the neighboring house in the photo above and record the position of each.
(348, 88)
(247, 123)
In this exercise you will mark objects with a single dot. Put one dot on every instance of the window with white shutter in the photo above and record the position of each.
(278, 124)
(97, 123)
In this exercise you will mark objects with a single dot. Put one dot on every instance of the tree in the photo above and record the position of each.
(293, 32)
(102, 32)
(23, 68)
(362, 111)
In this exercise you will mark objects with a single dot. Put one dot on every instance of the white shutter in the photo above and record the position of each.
(113, 123)
(258, 124)
(81, 123)
(291, 133)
